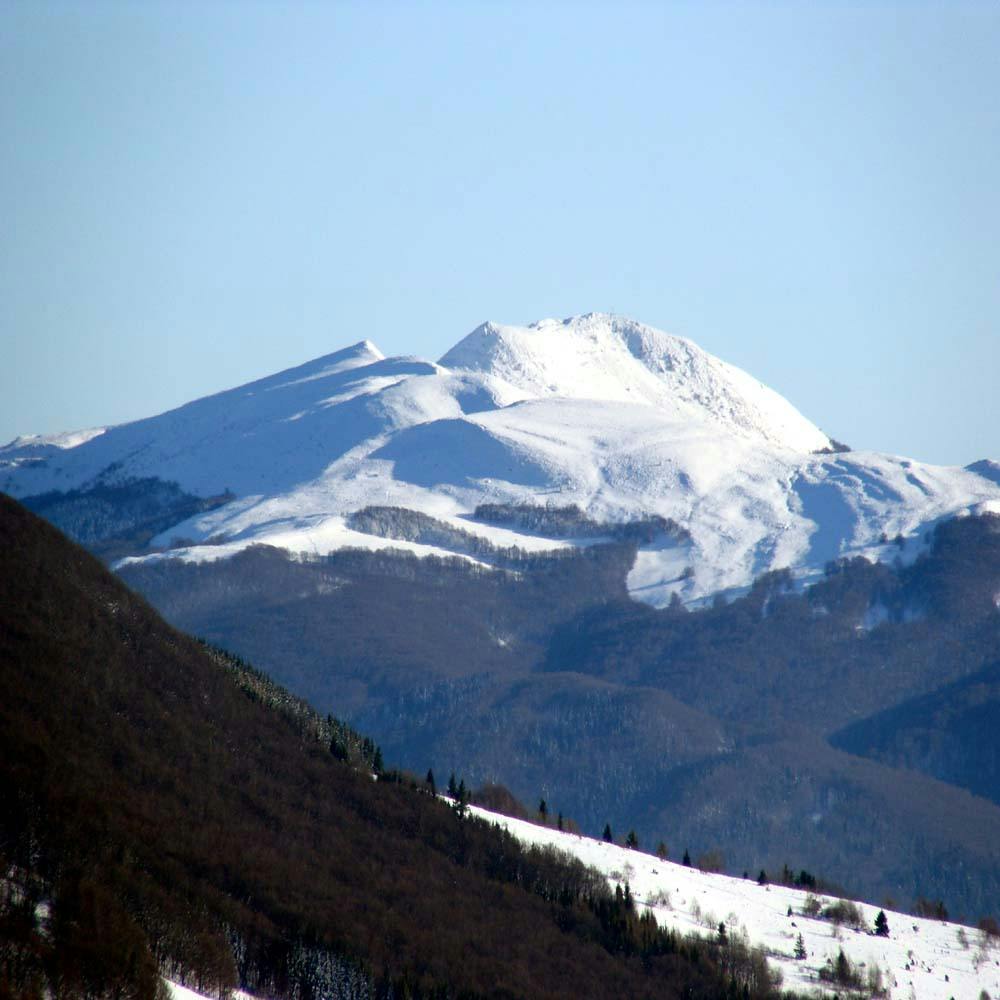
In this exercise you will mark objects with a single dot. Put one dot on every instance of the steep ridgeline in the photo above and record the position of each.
(167, 811)
(596, 412)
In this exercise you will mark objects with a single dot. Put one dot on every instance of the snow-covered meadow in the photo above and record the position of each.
(921, 959)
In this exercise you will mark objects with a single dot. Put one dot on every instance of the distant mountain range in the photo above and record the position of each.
(598, 412)
(591, 562)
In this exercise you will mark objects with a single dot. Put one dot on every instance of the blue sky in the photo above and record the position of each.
(197, 194)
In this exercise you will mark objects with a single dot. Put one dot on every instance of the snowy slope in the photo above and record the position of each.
(598, 411)
(921, 958)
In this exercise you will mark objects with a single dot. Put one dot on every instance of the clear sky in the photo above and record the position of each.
(196, 194)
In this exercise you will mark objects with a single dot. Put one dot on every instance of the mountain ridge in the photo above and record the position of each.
(597, 411)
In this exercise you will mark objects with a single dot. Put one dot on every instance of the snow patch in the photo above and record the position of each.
(874, 616)
(178, 992)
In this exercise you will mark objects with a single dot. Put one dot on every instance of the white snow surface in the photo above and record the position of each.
(921, 958)
(596, 410)
(62, 441)
(178, 992)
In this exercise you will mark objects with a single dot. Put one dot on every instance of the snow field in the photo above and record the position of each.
(922, 959)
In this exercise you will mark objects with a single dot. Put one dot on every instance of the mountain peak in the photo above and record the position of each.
(364, 352)
(368, 349)
(607, 357)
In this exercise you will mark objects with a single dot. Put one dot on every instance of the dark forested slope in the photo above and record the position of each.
(952, 733)
(171, 819)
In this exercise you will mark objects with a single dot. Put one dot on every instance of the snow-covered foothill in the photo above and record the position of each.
(598, 411)
(926, 959)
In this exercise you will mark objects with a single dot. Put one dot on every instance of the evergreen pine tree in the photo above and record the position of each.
(800, 948)
(432, 787)
(842, 970)
(882, 924)
(452, 787)
(661, 851)
(607, 833)
(687, 858)
(543, 810)
(632, 840)
(461, 799)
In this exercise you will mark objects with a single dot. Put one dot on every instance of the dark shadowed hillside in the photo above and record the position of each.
(952, 734)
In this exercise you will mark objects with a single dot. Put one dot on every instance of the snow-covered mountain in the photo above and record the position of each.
(598, 411)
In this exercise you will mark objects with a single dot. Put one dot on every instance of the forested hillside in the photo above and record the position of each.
(722, 729)
(167, 810)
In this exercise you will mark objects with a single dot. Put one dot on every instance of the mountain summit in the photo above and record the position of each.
(611, 358)
(597, 412)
